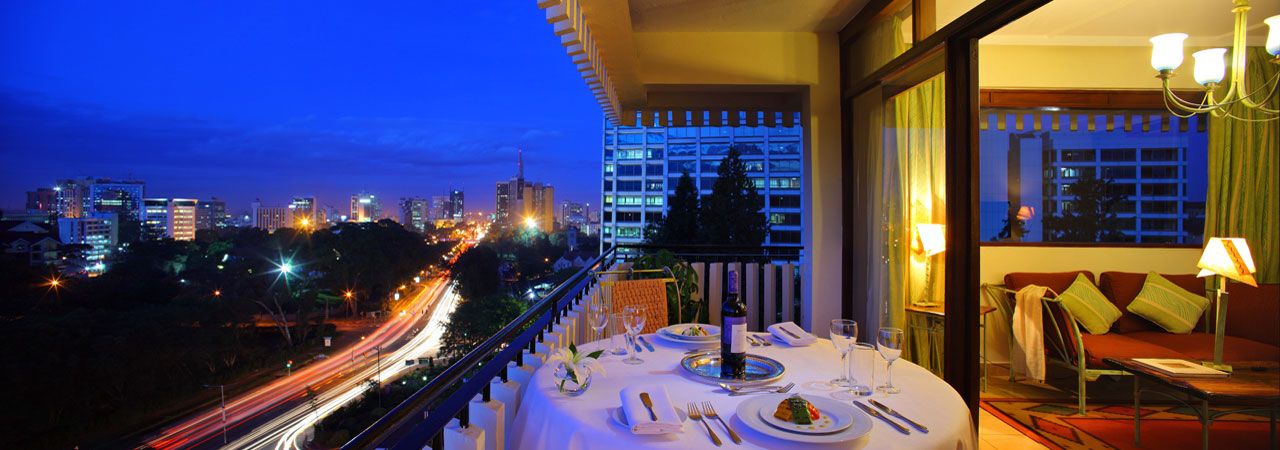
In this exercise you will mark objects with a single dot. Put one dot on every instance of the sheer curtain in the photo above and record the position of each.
(1244, 188)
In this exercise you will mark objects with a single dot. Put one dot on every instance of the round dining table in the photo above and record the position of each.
(548, 419)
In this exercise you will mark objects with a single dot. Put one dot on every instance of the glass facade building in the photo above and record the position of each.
(642, 166)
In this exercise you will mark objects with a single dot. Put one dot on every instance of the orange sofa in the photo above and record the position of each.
(1252, 332)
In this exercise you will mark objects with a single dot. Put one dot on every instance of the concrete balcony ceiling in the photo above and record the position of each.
(694, 63)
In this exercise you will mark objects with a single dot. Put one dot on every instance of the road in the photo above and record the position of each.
(276, 415)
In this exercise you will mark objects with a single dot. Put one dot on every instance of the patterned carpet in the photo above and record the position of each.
(1056, 425)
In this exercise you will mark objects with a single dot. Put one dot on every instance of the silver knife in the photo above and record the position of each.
(789, 333)
(646, 343)
(889, 410)
(877, 414)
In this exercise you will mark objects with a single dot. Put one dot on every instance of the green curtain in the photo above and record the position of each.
(919, 127)
(1244, 176)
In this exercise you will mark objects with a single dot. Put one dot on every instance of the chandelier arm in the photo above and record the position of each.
(1175, 113)
(1261, 104)
(1186, 105)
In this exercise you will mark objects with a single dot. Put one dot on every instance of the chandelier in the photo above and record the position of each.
(1210, 68)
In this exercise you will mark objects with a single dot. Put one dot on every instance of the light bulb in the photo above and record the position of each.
(1273, 38)
(1166, 51)
(1211, 65)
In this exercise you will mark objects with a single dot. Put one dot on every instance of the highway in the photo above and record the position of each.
(276, 415)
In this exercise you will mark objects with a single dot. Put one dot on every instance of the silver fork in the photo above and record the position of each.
(764, 341)
(781, 390)
(695, 415)
(752, 341)
(711, 414)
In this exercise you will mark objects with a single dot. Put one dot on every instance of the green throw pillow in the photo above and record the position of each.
(1087, 304)
(1168, 305)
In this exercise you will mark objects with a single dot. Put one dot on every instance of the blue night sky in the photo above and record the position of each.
(244, 100)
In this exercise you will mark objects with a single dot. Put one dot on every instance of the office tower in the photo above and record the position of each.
(169, 218)
(271, 218)
(643, 164)
(438, 209)
(99, 231)
(304, 211)
(43, 200)
(518, 202)
(365, 207)
(121, 197)
(572, 214)
(414, 214)
(456, 205)
(211, 214)
(72, 196)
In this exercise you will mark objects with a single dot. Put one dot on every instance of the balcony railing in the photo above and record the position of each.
(499, 368)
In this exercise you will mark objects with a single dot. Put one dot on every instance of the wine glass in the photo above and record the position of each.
(844, 333)
(617, 341)
(890, 346)
(633, 318)
(598, 318)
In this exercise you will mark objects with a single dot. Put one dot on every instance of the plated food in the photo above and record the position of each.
(797, 410)
(694, 330)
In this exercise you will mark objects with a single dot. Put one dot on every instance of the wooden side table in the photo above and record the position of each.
(1253, 390)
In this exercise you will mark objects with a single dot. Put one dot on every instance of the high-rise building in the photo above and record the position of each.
(121, 197)
(438, 208)
(643, 164)
(100, 231)
(271, 218)
(169, 218)
(211, 214)
(414, 214)
(572, 214)
(44, 200)
(456, 205)
(519, 203)
(304, 211)
(365, 207)
(73, 196)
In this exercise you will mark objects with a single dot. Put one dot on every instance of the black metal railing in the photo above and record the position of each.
(421, 419)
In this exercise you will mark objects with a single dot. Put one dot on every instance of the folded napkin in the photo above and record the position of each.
(638, 416)
(801, 338)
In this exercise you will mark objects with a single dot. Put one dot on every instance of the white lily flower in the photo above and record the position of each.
(578, 365)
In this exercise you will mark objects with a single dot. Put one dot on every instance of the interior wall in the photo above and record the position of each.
(1071, 67)
(783, 58)
(999, 260)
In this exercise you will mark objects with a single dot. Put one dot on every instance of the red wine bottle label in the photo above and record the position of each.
(735, 333)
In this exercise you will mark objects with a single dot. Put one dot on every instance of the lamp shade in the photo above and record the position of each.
(1211, 65)
(1166, 51)
(1230, 258)
(1026, 212)
(931, 238)
(1273, 37)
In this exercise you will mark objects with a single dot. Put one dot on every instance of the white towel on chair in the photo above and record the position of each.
(1028, 332)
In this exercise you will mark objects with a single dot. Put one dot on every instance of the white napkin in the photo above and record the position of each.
(638, 416)
(804, 337)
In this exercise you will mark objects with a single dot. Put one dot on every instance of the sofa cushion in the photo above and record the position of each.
(1116, 345)
(1087, 304)
(1168, 305)
(1252, 312)
(1123, 287)
(1200, 346)
(1058, 281)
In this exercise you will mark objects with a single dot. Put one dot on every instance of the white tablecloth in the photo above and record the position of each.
(550, 420)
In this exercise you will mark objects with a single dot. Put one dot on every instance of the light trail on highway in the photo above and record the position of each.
(334, 381)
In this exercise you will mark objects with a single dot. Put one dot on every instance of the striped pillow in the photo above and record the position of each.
(1089, 307)
(1168, 305)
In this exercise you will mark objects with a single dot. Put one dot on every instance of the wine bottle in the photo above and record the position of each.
(733, 333)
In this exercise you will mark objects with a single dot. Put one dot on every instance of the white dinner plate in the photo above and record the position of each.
(673, 332)
(620, 419)
(748, 413)
(675, 340)
(835, 417)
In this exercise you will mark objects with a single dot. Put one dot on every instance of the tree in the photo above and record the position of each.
(1090, 216)
(731, 215)
(1014, 228)
(681, 224)
(475, 320)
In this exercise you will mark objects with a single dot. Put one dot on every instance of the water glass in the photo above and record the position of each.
(843, 333)
(890, 345)
(618, 340)
(598, 318)
(633, 319)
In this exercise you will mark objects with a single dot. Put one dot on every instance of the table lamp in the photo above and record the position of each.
(931, 239)
(1225, 258)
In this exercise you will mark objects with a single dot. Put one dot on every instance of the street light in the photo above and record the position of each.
(222, 392)
(217, 293)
